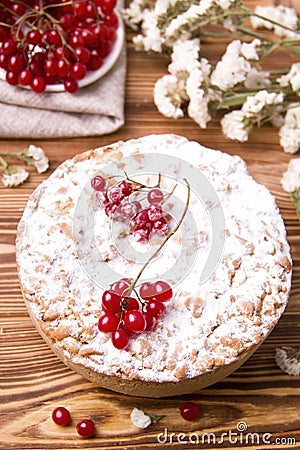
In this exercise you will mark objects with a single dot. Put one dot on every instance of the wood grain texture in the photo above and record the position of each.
(33, 381)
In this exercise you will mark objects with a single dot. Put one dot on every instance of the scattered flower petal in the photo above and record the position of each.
(139, 419)
(288, 359)
(15, 178)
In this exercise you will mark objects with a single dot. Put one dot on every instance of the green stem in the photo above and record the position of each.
(4, 163)
(252, 33)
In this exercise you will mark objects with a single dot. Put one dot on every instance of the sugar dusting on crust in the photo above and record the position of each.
(205, 326)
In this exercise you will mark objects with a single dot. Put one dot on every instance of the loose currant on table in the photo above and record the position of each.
(46, 42)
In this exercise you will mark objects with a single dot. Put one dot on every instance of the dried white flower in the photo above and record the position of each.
(255, 104)
(15, 178)
(233, 126)
(168, 96)
(139, 419)
(291, 178)
(289, 133)
(257, 78)
(250, 50)
(232, 69)
(280, 14)
(292, 78)
(40, 160)
(198, 108)
(185, 56)
(135, 13)
(151, 39)
(288, 359)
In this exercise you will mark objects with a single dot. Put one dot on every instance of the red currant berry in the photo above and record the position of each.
(62, 68)
(25, 77)
(98, 183)
(155, 196)
(61, 416)
(71, 85)
(111, 19)
(112, 209)
(142, 234)
(104, 48)
(155, 308)
(38, 84)
(161, 226)
(111, 301)
(147, 291)
(12, 78)
(90, 39)
(9, 47)
(162, 291)
(108, 322)
(122, 286)
(189, 410)
(102, 198)
(130, 303)
(50, 66)
(130, 209)
(33, 37)
(18, 9)
(126, 187)
(83, 54)
(68, 22)
(154, 213)
(140, 220)
(16, 63)
(120, 339)
(115, 194)
(135, 321)
(78, 71)
(95, 61)
(150, 320)
(86, 428)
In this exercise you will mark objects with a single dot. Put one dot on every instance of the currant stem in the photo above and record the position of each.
(132, 287)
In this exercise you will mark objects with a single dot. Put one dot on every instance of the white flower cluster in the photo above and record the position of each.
(289, 133)
(238, 81)
(291, 178)
(185, 84)
(292, 78)
(282, 15)
(264, 105)
(15, 178)
(39, 159)
(288, 359)
(235, 65)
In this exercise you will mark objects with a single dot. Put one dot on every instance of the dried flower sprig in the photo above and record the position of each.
(141, 419)
(237, 82)
(32, 156)
(288, 359)
(291, 182)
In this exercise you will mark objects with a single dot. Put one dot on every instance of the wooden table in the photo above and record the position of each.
(34, 381)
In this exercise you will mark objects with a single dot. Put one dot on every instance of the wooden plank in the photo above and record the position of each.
(33, 381)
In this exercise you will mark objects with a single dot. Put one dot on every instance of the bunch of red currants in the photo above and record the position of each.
(118, 205)
(125, 315)
(47, 42)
